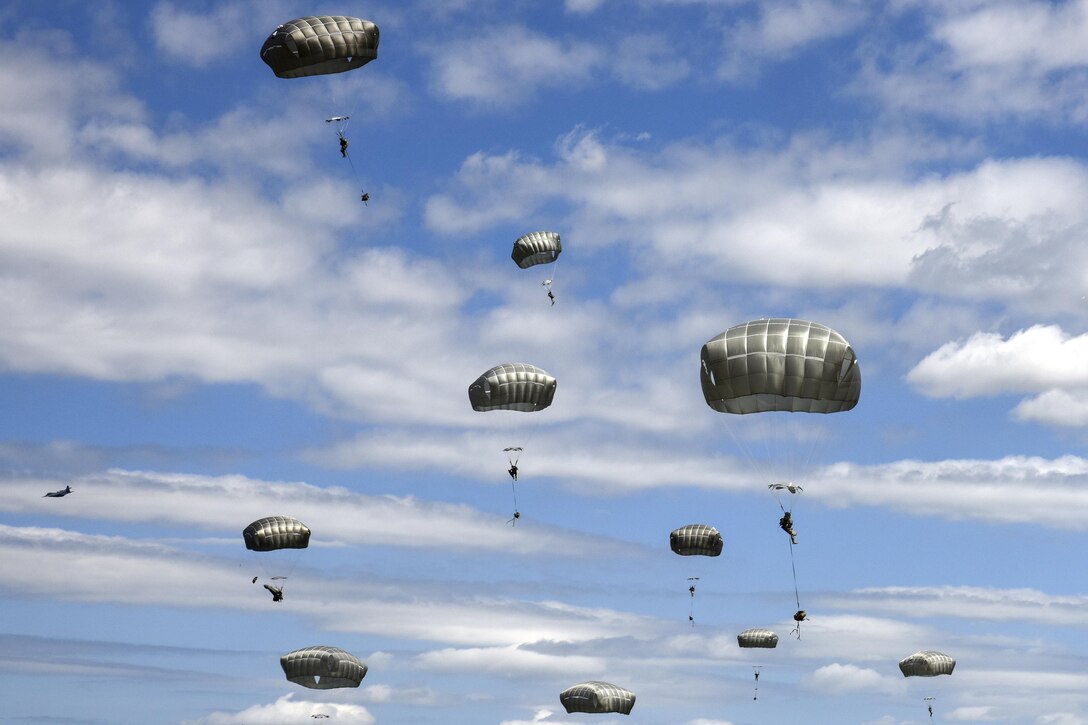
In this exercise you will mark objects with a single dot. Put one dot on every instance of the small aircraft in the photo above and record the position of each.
(57, 494)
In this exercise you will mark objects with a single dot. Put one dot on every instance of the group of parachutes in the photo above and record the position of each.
(761, 366)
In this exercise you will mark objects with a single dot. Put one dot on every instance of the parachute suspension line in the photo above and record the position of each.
(796, 595)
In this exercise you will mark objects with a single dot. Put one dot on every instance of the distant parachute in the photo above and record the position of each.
(928, 663)
(320, 45)
(536, 248)
(696, 540)
(780, 365)
(756, 637)
(512, 386)
(597, 697)
(323, 668)
(276, 532)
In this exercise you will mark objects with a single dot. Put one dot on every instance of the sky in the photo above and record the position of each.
(202, 325)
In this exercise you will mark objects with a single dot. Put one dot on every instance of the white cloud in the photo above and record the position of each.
(840, 679)
(1042, 359)
(509, 661)
(288, 711)
(201, 38)
(504, 66)
(975, 713)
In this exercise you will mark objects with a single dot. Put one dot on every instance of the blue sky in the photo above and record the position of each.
(201, 325)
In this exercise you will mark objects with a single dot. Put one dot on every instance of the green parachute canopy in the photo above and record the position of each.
(597, 697)
(276, 532)
(757, 637)
(320, 45)
(696, 540)
(536, 248)
(928, 663)
(323, 668)
(780, 365)
(512, 386)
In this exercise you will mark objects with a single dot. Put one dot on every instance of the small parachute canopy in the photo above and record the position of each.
(323, 668)
(512, 386)
(757, 637)
(791, 487)
(536, 248)
(319, 45)
(597, 697)
(276, 532)
(696, 540)
(780, 365)
(928, 663)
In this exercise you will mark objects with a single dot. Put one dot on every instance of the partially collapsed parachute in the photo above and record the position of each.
(512, 386)
(276, 532)
(597, 697)
(757, 637)
(536, 248)
(927, 664)
(780, 364)
(319, 45)
(323, 668)
(696, 540)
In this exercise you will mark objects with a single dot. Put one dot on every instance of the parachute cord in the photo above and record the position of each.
(793, 565)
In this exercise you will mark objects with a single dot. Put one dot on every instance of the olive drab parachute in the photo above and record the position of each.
(597, 697)
(780, 365)
(757, 637)
(512, 386)
(320, 45)
(928, 663)
(276, 532)
(696, 540)
(536, 248)
(323, 668)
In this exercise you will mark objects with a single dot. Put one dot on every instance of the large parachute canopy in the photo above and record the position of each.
(696, 540)
(928, 663)
(597, 697)
(319, 45)
(512, 386)
(780, 365)
(323, 668)
(757, 637)
(276, 532)
(536, 248)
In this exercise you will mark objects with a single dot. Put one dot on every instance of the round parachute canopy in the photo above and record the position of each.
(780, 364)
(512, 386)
(696, 540)
(276, 532)
(323, 668)
(597, 697)
(319, 45)
(536, 248)
(927, 664)
(757, 637)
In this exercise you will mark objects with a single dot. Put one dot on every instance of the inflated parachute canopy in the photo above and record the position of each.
(320, 44)
(323, 668)
(757, 637)
(536, 248)
(512, 386)
(696, 540)
(780, 364)
(927, 664)
(597, 697)
(276, 532)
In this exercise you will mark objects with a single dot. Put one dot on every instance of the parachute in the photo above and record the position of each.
(597, 697)
(512, 386)
(780, 365)
(756, 637)
(928, 663)
(696, 540)
(320, 45)
(276, 532)
(536, 248)
(323, 668)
